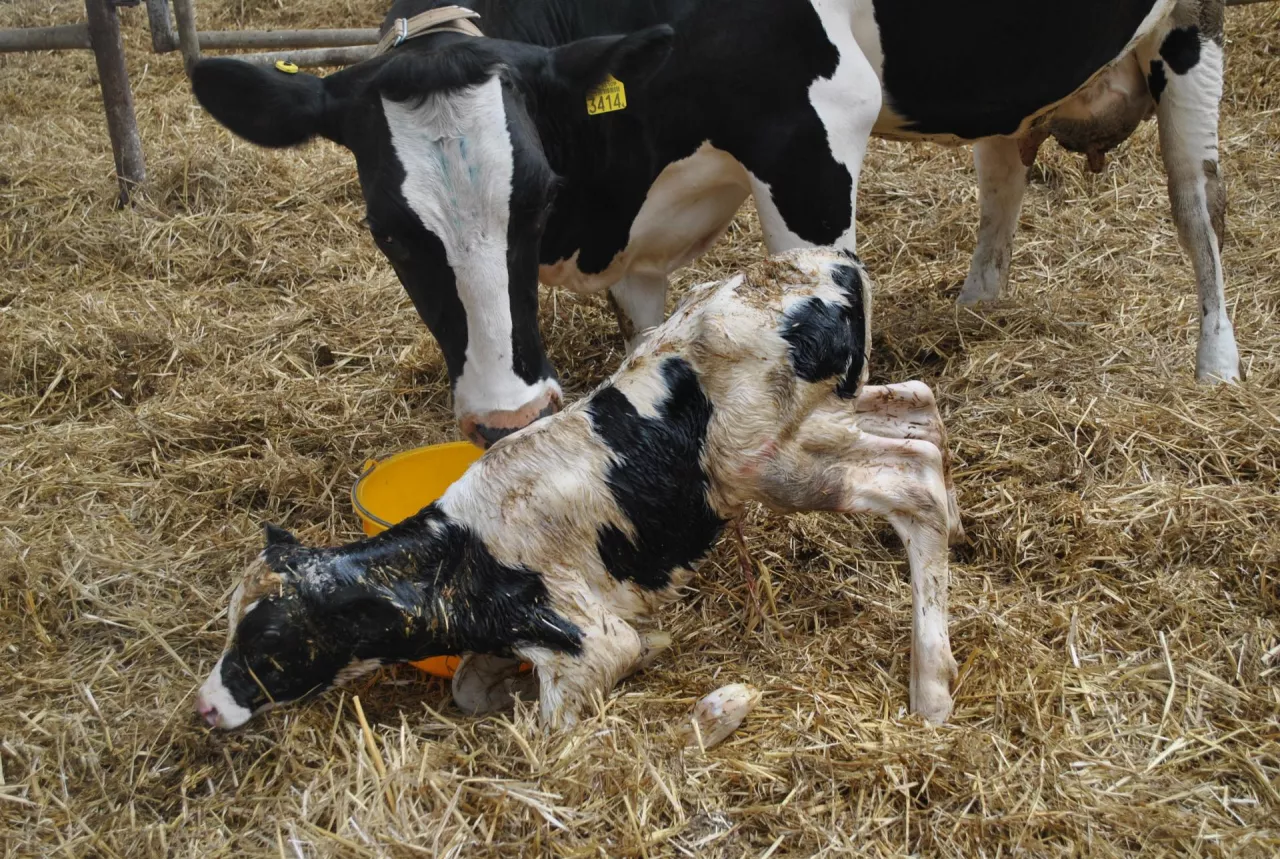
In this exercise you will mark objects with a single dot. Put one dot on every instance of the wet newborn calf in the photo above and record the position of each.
(565, 537)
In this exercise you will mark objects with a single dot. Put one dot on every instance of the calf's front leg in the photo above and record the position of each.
(611, 650)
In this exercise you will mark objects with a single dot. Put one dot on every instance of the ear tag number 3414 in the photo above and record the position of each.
(611, 95)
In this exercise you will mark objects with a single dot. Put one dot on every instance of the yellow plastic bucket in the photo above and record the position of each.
(399, 486)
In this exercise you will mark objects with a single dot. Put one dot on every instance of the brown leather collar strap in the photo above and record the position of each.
(448, 18)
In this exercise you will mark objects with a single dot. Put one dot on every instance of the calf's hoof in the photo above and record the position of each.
(719, 714)
(931, 687)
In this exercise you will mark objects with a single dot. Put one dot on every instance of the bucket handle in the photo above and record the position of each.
(369, 466)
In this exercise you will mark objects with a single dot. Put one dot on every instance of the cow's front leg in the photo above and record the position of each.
(1188, 89)
(567, 682)
(639, 301)
(1002, 181)
(805, 166)
(834, 465)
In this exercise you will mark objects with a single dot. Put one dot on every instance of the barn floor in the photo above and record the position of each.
(232, 349)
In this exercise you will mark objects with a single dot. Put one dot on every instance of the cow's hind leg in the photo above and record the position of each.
(1186, 80)
(833, 465)
(1002, 181)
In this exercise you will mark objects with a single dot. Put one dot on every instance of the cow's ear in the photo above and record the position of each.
(632, 59)
(265, 105)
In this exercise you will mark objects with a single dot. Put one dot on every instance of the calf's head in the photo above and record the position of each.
(457, 141)
(284, 638)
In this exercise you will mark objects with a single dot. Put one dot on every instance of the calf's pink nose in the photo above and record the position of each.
(208, 712)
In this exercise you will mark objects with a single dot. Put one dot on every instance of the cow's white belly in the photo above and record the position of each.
(687, 209)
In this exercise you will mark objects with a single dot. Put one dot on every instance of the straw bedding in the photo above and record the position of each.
(232, 349)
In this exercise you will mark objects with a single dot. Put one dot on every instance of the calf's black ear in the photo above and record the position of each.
(632, 59)
(264, 105)
(281, 548)
(277, 536)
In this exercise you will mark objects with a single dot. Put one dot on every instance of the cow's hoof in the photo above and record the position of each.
(933, 701)
(980, 287)
(719, 714)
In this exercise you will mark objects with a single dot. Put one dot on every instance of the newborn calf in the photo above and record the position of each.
(566, 535)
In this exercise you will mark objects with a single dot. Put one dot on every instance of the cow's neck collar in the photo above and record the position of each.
(454, 19)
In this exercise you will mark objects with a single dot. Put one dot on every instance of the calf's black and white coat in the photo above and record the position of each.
(564, 538)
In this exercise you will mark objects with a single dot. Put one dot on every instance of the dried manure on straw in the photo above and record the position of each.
(233, 348)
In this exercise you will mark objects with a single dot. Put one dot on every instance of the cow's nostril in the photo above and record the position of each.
(488, 435)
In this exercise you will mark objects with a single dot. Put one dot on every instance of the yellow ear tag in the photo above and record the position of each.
(611, 95)
(286, 67)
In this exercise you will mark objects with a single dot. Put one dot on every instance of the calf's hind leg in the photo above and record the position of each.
(906, 410)
(834, 465)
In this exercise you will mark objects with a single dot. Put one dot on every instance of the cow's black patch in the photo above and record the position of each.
(427, 587)
(656, 479)
(976, 70)
(828, 339)
(1181, 49)
(1156, 80)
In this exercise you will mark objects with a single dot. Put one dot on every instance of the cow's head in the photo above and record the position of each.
(452, 136)
(290, 634)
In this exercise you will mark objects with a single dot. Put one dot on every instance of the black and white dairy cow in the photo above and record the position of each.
(563, 539)
(488, 162)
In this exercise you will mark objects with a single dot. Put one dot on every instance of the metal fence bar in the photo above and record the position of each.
(312, 57)
(163, 37)
(62, 38)
(188, 38)
(108, 49)
(281, 39)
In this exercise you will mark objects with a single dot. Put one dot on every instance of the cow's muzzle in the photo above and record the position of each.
(484, 429)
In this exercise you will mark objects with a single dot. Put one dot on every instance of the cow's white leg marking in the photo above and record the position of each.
(833, 464)
(847, 104)
(640, 301)
(611, 649)
(1188, 118)
(1002, 180)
